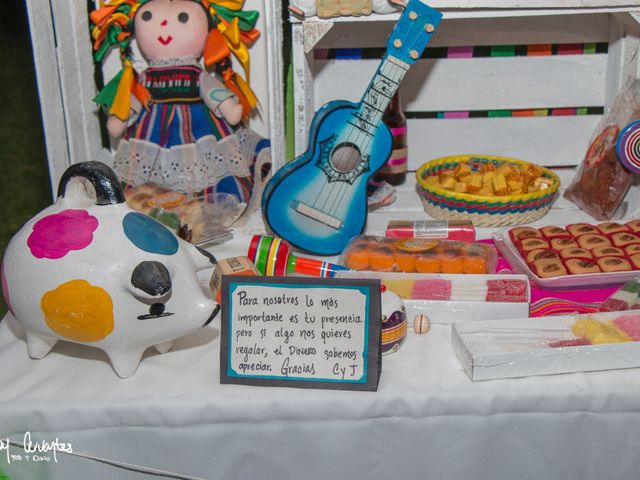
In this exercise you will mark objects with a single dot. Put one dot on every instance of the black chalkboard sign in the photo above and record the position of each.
(301, 332)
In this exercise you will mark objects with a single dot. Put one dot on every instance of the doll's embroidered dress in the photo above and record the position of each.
(184, 143)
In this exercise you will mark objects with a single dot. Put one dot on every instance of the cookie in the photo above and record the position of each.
(549, 267)
(579, 266)
(575, 252)
(520, 233)
(554, 232)
(539, 254)
(577, 229)
(634, 225)
(614, 264)
(611, 227)
(591, 241)
(563, 242)
(533, 243)
(622, 239)
(635, 260)
(599, 252)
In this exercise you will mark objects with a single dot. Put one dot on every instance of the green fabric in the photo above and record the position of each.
(106, 96)
(246, 20)
(101, 52)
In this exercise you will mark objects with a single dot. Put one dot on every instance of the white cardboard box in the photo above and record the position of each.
(520, 347)
(462, 306)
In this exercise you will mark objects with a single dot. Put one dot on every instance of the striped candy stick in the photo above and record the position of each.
(273, 256)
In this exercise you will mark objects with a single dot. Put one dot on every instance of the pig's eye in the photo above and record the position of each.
(152, 278)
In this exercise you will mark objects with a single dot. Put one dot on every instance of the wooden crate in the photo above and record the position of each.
(534, 87)
(65, 75)
(65, 72)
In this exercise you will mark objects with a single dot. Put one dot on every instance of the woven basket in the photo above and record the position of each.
(483, 211)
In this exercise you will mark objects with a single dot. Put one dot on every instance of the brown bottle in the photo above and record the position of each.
(394, 171)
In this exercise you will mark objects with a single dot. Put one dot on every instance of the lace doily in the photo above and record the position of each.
(186, 168)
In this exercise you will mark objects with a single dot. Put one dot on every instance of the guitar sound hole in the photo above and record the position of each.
(345, 157)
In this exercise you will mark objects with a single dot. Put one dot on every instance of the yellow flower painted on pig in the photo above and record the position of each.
(78, 311)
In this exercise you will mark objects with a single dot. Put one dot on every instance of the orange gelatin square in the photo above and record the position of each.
(429, 263)
(452, 263)
(474, 264)
(358, 259)
(382, 260)
(405, 262)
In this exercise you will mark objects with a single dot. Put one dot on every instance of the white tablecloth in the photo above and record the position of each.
(427, 420)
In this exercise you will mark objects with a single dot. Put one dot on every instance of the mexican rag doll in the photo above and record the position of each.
(181, 121)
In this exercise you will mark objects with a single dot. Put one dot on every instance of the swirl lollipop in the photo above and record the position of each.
(628, 147)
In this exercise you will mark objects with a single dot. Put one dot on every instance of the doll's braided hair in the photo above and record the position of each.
(231, 32)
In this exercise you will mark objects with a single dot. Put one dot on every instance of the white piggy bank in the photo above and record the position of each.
(90, 270)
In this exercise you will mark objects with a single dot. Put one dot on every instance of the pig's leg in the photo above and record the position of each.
(126, 363)
(39, 345)
(164, 347)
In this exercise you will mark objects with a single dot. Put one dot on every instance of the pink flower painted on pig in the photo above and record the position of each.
(56, 235)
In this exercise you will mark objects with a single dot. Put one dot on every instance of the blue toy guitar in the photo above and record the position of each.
(318, 202)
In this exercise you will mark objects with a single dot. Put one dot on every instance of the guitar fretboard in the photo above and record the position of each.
(378, 95)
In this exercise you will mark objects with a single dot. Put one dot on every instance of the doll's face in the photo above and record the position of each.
(171, 29)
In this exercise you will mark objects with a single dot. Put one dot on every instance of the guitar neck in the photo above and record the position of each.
(379, 93)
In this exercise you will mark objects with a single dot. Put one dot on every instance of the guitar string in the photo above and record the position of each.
(342, 186)
(395, 74)
(342, 189)
(392, 75)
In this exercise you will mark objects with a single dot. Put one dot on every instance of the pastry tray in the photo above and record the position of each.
(589, 280)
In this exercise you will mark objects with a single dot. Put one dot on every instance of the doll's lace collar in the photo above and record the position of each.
(173, 62)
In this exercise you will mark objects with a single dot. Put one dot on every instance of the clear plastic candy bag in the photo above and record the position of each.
(601, 182)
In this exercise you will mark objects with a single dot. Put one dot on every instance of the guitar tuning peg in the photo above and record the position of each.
(397, 43)
(413, 15)
(429, 28)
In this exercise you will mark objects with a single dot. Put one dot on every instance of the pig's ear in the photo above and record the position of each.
(201, 257)
(89, 183)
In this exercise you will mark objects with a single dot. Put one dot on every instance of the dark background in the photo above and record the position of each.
(24, 172)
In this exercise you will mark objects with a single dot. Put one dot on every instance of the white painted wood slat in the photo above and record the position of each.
(549, 141)
(48, 81)
(581, 28)
(482, 83)
(487, 4)
(76, 81)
